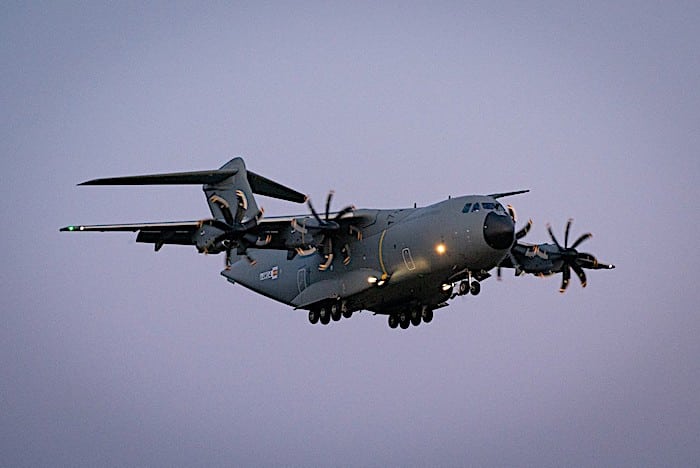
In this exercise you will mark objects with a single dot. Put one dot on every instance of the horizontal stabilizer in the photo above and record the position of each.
(259, 185)
(176, 178)
(269, 188)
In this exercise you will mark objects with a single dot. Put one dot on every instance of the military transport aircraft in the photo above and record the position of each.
(402, 263)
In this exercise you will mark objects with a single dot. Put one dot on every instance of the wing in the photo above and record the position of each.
(275, 233)
(179, 233)
(188, 232)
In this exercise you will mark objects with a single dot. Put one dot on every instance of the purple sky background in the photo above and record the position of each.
(111, 354)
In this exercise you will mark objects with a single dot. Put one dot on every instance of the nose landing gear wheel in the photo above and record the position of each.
(463, 288)
(475, 288)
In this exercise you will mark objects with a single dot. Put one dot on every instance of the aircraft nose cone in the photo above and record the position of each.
(498, 231)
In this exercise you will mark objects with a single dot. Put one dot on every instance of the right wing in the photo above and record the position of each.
(193, 232)
(180, 233)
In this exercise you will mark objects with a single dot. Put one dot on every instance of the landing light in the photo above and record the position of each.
(372, 279)
(440, 248)
(446, 287)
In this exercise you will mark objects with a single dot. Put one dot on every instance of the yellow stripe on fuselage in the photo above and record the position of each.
(381, 260)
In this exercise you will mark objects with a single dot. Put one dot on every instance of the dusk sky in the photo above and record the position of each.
(113, 355)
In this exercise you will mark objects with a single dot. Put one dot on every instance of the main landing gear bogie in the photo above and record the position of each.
(332, 310)
(413, 317)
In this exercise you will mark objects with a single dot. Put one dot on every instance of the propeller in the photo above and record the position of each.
(234, 229)
(329, 229)
(573, 259)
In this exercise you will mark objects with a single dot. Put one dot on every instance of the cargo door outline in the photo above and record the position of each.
(301, 279)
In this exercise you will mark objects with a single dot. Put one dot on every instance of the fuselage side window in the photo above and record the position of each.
(466, 208)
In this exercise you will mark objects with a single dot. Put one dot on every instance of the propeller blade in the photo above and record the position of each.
(587, 260)
(566, 275)
(345, 251)
(224, 207)
(523, 232)
(328, 246)
(313, 212)
(581, 275)
(343, 212)
(328, 203)
(511, 212)
(241, 207)
(551, 234)
(227, 259)
(516, 265)
(583, 237)
(566, 233)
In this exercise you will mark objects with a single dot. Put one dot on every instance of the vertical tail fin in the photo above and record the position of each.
(232, 198)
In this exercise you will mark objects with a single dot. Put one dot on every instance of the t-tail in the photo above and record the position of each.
(230, 194)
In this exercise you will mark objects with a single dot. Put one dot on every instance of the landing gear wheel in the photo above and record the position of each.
(475, 288)
(335, 312)
(415, 319)
(463, 288)
(313, 316)
(393, 321)
(325, 315)
(344, 310)
(404, 320)
(427, 315)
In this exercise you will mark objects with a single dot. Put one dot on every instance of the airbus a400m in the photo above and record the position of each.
(401, 263)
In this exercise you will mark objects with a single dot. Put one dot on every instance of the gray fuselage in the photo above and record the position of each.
(412, 256)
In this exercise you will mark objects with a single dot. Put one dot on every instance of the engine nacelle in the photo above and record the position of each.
(206, 240)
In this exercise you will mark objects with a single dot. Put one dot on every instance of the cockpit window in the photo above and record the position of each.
(474, 207)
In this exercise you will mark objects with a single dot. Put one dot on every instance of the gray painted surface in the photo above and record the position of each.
(112, 354)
